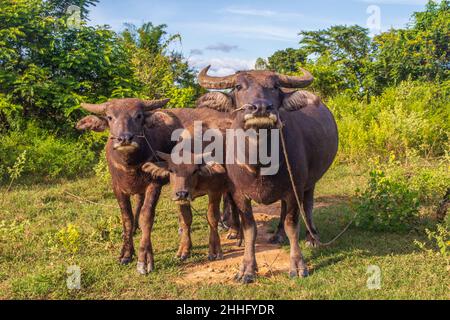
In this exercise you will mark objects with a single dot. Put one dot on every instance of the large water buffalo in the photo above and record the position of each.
(257, 100)
(136, 133)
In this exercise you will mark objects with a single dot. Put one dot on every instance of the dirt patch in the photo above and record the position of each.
(271, 259)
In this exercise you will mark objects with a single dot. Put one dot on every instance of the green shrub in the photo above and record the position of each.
(47, 155)
(398, 191)
(67, 239)
(439, 241)
(411, 118)
(387, 204)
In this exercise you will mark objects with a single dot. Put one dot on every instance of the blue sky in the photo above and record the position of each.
(231, 34)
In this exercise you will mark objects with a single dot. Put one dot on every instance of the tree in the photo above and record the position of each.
(261, 64)
(287, 61)
(420, 52)
(347, 50)
(162, 73)
(59, 8)
(47, 69)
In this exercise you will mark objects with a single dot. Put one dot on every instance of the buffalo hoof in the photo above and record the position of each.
(312, 243)
(125, 261)
(183, 257)
(212, 257)
(302, 273)
(245, 278)
(277, 239)
(143, 269)
(232, 235)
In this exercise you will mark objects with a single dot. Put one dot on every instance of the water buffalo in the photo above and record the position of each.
(136, 132)
(258, 99)
(189, 181)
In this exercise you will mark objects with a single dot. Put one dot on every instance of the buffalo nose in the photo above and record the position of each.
(125, 138)
(260, 108)
(182, 195)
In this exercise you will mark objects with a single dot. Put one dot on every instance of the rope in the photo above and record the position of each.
(294, 188)
(149, 145)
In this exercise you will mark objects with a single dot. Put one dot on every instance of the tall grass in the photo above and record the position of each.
(411, 118)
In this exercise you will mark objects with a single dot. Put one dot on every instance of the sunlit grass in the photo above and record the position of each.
(33, 265)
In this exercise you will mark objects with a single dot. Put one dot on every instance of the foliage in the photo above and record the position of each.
(47, 155)
(347, 52)
(67, 239)
(47, 68)
(162, 74)
(397, 193)
(12, 231)
(387, 204)
(344, 59)
(59, 7)
(286, 61)
(413, 118)
(438, 239)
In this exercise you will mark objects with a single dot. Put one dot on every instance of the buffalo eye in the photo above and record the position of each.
(238, 87)
(109, 118)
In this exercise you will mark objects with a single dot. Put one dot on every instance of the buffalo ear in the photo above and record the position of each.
(216, 100)
(156, 169)
(297, 100)
(158, 119)
(211, 169)
(94, 123)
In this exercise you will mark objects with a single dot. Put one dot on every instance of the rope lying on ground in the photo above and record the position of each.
(280, 126)
(89, 201)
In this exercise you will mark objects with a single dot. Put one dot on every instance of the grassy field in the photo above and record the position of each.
(36, 248)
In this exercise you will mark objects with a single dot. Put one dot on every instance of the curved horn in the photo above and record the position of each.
(150, 105)
(295, 81)
(209, 82)
(94, 108)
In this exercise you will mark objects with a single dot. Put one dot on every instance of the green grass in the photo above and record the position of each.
(33, 263)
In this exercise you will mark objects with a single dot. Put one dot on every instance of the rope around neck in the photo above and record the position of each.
(280, 126)
(149, 145)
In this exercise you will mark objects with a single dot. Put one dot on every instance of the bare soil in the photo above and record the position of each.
(271, 258)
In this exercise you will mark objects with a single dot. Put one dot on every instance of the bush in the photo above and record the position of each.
(47, 155)
(411, 118)
(397, 192)
(438, 240)
(67, 239)
(387, 204)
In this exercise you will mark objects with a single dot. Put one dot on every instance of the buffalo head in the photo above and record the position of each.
(125, 118)
(183, 177)
(256, 96)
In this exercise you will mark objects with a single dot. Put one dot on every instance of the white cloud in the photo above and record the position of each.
(261, 13)
(267, 32)
(221, 66)
(250, 12)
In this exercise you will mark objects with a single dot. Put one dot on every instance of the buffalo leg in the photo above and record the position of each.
(137, 211)
(147, 217)
(280, 235)
(308, 205)
(185, 220)
(247, 272)
(215, 249)
(232, 217)
(297, 265)
(127, 252)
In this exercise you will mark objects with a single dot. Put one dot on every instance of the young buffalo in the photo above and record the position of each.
(189, 181)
